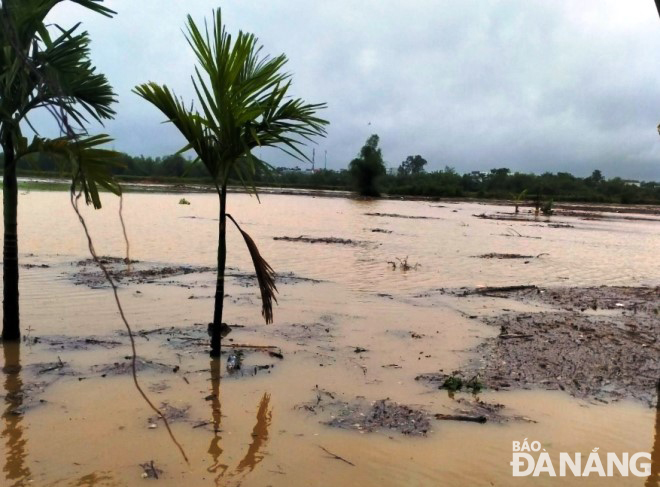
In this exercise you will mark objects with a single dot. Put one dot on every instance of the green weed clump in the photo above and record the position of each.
(455, 383)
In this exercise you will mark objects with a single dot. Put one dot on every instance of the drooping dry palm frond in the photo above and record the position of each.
(265, 275)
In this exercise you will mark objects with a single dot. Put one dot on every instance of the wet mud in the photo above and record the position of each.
(495, 255)
(397, 215)
(387, 416)
(368, 417)
(88, 273)
(323, 240)
(596, 343)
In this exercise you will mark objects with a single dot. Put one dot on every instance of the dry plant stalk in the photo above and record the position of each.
(92, 251)
(265, 275)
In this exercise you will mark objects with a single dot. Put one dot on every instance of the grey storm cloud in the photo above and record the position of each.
(533, 85)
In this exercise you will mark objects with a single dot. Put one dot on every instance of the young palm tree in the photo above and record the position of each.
(40, 71)
(244, 104)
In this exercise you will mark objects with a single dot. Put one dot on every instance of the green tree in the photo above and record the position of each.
(368, 167)
(37, 70)
(245, 103)
(518, 199)
(412, 165)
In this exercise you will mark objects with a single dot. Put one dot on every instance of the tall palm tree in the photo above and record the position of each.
(46, 66)
(244, 102)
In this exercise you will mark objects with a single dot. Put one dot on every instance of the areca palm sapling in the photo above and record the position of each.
(46, 66)
(244, 103)
(518, 199)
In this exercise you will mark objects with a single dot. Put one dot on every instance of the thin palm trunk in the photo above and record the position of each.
(216, 327)
(10, 317)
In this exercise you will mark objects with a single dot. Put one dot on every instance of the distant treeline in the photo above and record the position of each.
(409, 180)
(497, 183)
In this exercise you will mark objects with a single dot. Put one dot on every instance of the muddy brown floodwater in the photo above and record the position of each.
(327, 394)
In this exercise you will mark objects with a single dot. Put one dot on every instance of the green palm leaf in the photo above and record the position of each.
(243, 103)
(89, 164)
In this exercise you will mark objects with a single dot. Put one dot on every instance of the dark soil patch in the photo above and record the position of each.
(62, 342)
(303, 333)
(248, 280)
(88, 273)
(645, 300)
(485, 412)
(529, 218)
(361, 415)
(125, 367)
(504, 217)
(396, 215)
(495, 255)
(33, 266)
(324, 240)
(385, 415)
(590, 354)
(172, 413)
(603, 215)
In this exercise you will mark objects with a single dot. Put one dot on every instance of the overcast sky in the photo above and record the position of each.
(547, 85)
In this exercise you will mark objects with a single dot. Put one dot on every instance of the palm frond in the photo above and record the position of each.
(89, 165)
(265, 275)
(243, 102)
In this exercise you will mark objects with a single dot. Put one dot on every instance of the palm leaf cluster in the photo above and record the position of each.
(243, 104)
(47, 66)
(84, 157)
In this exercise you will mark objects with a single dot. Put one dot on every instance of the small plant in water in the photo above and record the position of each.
(403, 264)
(184, 201)
(546, 209)
(518, 199)
(475, 384)
(453, 383)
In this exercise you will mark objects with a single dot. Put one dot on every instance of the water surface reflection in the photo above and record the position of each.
(15, 469)
(255, 452)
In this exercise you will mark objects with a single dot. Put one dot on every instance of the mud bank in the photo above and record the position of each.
(323, 240)
(122, 271)
(386, 416)
(596, 343)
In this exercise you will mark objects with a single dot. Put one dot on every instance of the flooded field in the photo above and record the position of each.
(380, 302)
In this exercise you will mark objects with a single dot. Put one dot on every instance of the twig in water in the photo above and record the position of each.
(336, 457)
(150, 470)
(123, 227)
(460, 417)
(59, 365)
(508, 336)
(74, 203)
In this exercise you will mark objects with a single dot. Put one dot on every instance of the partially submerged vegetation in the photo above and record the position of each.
(403, 264)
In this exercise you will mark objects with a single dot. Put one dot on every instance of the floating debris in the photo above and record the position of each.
(325, 240)
(396, 215)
